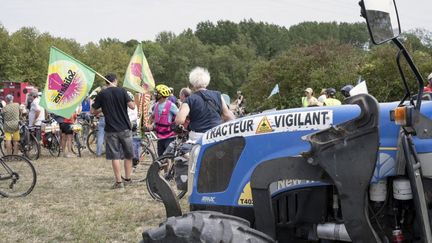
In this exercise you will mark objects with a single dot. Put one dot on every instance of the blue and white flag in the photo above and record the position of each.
(274, 91)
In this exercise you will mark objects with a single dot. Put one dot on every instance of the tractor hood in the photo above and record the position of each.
(229, 152)
(283, 121)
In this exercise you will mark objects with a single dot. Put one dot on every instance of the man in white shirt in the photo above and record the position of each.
(322, 96)
(136, 139)
(37, 113)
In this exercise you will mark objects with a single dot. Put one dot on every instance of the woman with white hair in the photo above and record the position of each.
(205, 108)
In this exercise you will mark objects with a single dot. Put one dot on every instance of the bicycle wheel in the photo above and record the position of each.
(166, 160)
(32, 149)
(146, 140)
(84, 134)
(92, 142)
(139, 171)
(17, 176)
(76, 145)
(53, 145)
(2, 143)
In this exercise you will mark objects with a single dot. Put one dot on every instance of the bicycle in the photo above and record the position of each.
(76, 141)
(176, 153)
(49, 134)
(17, 176)
(86, 122)
(29, 145)
(139, 170)
(149, 140)
(91, 140)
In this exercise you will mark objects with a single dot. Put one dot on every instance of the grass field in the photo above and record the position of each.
(72, 201)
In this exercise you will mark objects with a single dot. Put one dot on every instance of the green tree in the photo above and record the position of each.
(322, 65)
(27, 64)
(6, 56)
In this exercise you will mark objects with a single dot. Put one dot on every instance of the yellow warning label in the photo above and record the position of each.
(246, 196)
(264, 126)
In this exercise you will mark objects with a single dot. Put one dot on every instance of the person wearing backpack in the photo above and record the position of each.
(11, 113)
(205, 108)
(164, 112)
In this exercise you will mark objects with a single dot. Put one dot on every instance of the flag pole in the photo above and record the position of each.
(100, 75)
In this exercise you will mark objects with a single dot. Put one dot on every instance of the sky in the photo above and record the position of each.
(90, 20)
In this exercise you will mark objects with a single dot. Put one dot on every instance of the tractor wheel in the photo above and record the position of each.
(205, 226)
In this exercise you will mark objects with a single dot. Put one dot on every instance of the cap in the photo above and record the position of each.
(309, 90)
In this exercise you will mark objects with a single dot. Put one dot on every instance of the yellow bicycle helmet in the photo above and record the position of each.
(163, 90)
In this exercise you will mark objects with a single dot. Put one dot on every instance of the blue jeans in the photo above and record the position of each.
(136, 143)
(100, 136)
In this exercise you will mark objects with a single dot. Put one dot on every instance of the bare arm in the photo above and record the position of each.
(227, 115)
(37, 113)
(131, 105)
(94, 111)
(182, 114)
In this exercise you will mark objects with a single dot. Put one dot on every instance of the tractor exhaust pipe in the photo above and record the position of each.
(332, 231)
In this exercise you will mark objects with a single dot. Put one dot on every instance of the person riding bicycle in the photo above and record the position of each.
(11, 115)
(164, 112)
(346, 90)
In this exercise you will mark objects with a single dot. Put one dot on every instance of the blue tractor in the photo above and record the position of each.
(360, 172)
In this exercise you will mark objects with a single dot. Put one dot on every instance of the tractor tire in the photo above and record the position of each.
(205, 226)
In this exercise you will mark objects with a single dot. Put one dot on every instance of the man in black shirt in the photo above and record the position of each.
(113, 102)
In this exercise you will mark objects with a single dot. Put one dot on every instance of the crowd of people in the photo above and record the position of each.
(197, 110)
(327, 97)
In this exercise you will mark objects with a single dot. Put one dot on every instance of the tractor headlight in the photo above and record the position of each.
(192, 165)
(402, 115)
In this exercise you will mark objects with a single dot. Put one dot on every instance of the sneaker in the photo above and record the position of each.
(68, 155)
(135, 162)
(118, 185)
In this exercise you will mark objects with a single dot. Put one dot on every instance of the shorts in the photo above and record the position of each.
(118, 145)
(15, 136)
(163, 144)
(66, 128)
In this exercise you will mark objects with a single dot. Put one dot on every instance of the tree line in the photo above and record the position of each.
(249, 56)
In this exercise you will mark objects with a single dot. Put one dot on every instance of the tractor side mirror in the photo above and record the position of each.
(382, 19)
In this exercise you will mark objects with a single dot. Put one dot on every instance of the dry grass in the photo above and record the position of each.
(72, 201)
